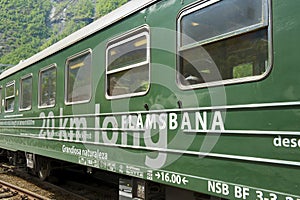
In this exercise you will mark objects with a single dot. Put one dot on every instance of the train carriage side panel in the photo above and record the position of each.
(214, 112)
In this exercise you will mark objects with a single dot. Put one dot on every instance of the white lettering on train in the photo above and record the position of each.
(286, 142)
(141, 128)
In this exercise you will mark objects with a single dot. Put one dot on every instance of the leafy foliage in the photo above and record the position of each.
(29, 26)
(105, 6)
(23, 24)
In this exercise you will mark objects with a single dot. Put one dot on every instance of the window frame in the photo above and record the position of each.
(122, 39)
(1, 98)
(266, 22)
(39, 85)
(8, 84)
(21, 91)
(87, 51)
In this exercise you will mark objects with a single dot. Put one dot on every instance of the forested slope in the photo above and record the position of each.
(29, 26)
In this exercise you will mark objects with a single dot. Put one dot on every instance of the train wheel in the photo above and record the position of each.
(43, 168)
(12, 157)
(2, 152)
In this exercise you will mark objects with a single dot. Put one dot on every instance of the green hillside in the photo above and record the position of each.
(29, 26)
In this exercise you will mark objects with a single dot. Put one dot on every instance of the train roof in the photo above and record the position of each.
(112, 17)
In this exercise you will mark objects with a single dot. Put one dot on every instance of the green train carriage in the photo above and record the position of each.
(193, 97)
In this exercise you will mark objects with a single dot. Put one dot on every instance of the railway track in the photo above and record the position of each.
(16, 184)
(10, 191)
(63, 184)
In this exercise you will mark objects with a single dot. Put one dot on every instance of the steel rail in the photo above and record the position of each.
(22, 191)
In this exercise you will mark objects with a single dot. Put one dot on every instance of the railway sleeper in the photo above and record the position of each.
(6, 193)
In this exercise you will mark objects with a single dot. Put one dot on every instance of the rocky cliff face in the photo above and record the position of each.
(63, 11)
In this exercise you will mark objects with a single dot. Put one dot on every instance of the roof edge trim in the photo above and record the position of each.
(105, 21)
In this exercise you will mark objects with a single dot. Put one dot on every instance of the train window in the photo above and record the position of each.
(127, 64)
(223, 42)
(78, 78)
(10, 96)
(47, 86)
(25, 92)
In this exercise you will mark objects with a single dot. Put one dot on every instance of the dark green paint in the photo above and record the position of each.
(282, 84)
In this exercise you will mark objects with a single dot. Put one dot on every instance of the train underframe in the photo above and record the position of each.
(129, 187)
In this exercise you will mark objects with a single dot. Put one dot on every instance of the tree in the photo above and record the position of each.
(26, 26)
(103, 7)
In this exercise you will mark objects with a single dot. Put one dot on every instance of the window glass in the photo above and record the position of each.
(79, 78)
(10, 97)
(131, 52)
(26, 93)
(0, 99)
(128, 81)
(47, 84)
(231, 15)
(128, 64)
(232, 44)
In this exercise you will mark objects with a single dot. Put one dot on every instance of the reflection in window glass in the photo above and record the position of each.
(128, 53)
(243, 70)
(230, 45)
(25, 92)
(128, 64)
(10, 97)
(133, 80)
(47, 84)
(0, 99)
(231, 15)
(79, 78)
